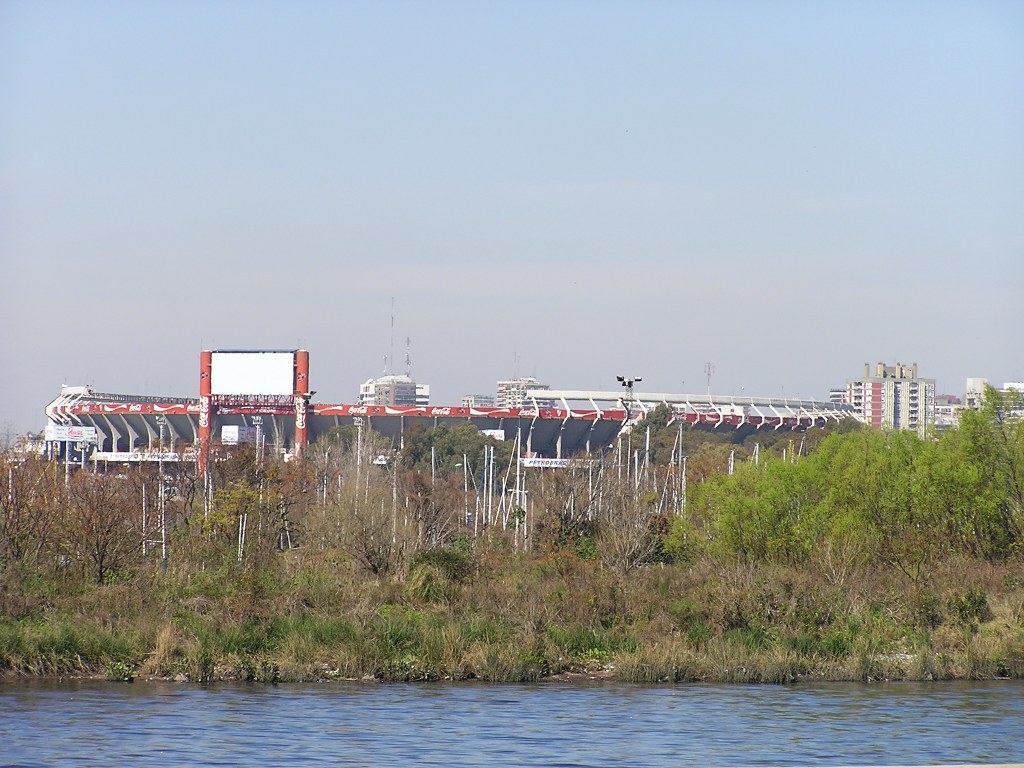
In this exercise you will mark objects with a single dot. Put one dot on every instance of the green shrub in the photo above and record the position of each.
(120, 672)
(430, 584)
(698, 634)
(969, 608)
(456, 562)
(838, 643)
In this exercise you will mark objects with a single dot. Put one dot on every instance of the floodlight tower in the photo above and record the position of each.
(628, 382)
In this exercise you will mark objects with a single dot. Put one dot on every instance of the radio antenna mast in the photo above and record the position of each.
(392, 335)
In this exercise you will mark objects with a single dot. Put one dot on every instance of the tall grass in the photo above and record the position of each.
(520, 618)
(61, 647)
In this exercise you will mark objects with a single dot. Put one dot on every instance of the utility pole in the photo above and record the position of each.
(358, 421)
(162, 422)
(465, 491)
(684, 481)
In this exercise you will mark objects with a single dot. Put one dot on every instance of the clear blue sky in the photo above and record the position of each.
(570, 190)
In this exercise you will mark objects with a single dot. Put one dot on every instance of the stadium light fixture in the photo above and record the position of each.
(628, 382)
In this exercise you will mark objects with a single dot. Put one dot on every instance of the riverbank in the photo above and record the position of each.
(503, 616)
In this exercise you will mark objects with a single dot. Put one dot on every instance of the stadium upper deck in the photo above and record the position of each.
(243, 389)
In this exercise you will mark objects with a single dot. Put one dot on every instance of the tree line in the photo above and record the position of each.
(868, 496)
(832, 499)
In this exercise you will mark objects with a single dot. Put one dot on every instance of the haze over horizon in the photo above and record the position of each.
(568, 190)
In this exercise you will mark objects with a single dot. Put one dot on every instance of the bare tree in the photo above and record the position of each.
(28, 515)
(567, 504)
(375, 531)
(631, 527)
(102, 530)
(436, 507)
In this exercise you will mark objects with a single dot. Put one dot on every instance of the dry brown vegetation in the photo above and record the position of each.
(335, 567)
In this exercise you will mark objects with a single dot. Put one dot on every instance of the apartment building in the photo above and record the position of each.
(397, 389)
(512, 393)
(893, 397)
(478, 401)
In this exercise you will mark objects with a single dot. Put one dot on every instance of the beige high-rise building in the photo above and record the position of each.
(893, 397)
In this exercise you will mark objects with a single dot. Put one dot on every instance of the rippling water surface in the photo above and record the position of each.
(168, 724)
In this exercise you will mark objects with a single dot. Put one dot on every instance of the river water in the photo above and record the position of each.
(552, 724)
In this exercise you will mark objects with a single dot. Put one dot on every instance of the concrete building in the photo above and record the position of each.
(394, 389)
(947, 411)
(975, 393)
(975, 398)
(893, 397)
(512, 393)
(478, 401)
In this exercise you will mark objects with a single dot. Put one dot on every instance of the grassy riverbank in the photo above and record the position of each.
(503, 616)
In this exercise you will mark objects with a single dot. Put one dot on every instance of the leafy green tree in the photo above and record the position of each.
(761, 512)
(450, 444)
(907, 528)
(992, 447)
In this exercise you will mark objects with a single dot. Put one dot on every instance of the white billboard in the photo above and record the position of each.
(60, 433)
(231, 434)
(252, 373)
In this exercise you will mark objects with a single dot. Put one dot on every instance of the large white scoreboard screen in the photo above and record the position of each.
(252, 373)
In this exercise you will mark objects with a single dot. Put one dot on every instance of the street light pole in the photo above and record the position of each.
(257, 422)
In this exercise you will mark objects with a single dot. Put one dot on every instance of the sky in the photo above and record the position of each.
(566, 190)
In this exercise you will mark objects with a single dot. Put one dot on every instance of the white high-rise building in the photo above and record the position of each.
(396, 389)
(512, 393)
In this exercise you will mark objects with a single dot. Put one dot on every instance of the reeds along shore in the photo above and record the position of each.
(861, 556)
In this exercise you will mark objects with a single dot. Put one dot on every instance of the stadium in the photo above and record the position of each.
(265, 396)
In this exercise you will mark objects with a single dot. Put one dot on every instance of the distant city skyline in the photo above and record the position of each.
(571, 191)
